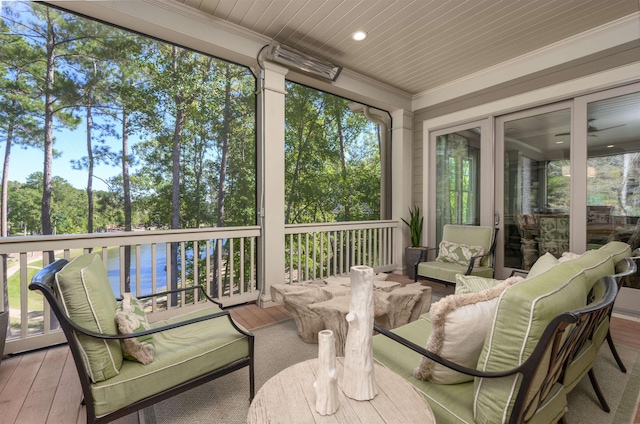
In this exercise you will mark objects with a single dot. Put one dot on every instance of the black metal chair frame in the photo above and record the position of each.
(44, 282)
(580, 324)
(472, 261)
(630, 268)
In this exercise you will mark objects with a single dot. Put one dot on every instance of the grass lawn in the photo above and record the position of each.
(35, 301)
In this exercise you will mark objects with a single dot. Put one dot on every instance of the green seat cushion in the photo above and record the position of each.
(522, 314)
(447, 271)
(86, 296)
(181, 354)
(451, 403)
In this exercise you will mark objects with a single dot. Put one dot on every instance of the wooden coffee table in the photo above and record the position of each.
(289, 397)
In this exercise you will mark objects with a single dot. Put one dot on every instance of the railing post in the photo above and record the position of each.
(271, 95)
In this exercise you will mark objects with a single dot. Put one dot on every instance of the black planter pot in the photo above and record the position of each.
(4, 322)
(411, 256)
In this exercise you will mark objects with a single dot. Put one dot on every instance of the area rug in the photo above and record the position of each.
(621, 390)
(278, 346)
(226, 399)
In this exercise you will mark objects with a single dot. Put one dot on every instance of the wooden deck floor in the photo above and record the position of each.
(43, 387)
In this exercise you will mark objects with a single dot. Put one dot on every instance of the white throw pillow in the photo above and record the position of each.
(568, 256)
(459, 325)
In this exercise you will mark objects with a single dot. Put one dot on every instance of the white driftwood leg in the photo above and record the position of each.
(358, 380)
(326, 386)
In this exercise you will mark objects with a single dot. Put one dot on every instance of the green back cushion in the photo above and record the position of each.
(522, 314)
(86, 296)
(470, 235)
(595, 264)
(617, 249)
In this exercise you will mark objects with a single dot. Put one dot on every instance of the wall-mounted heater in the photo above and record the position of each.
(295, 59)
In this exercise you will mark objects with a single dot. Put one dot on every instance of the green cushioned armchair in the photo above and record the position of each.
(461, 240)
(189, 350)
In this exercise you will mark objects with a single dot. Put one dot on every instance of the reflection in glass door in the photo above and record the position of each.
(533, 176)
(613, 172)
(458, 179)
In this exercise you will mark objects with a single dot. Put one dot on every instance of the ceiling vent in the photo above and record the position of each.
(295, 59)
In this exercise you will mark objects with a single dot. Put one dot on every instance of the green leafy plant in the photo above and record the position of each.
(415, 225)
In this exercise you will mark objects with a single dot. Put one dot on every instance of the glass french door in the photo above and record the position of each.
(532, 185)
(458, 193)
(567, 177)
(611, 192)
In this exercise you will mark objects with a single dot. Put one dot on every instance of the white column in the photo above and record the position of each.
(271, 177)
(401, 179)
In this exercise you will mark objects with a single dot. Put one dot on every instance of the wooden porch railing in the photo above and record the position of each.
(317, 251)
(226, 265)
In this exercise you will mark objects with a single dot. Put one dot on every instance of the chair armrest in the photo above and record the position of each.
(518, 271)
(423, 254)
(104, 336)
(449, 364)
(472, 261)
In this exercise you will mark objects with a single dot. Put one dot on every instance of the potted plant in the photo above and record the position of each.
(412, 253)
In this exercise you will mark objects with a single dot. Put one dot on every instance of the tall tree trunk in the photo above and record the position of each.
(48, 133)
(90, 172)
(4, 230)
(225, 147)
(127, 198)
(345, 177)
(226, 134)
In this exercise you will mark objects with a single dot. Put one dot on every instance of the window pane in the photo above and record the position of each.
(457, 192)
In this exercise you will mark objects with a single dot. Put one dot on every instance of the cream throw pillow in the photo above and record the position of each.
(568, 256)
(459, 325)
(131, 318)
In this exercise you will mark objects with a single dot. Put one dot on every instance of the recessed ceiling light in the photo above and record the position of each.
(559, 142)
(359, 35)
(609, 146)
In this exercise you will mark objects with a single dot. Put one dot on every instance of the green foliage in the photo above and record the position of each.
(415, 225)
(159, 108)
(332, 159)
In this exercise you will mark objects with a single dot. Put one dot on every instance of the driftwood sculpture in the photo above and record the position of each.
(326, 386)
(358, 380)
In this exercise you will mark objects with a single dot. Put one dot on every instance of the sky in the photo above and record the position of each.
(72, 146)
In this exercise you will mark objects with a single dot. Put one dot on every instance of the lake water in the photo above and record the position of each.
(113, 269)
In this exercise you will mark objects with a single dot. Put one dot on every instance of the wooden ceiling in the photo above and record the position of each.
(417, 45)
